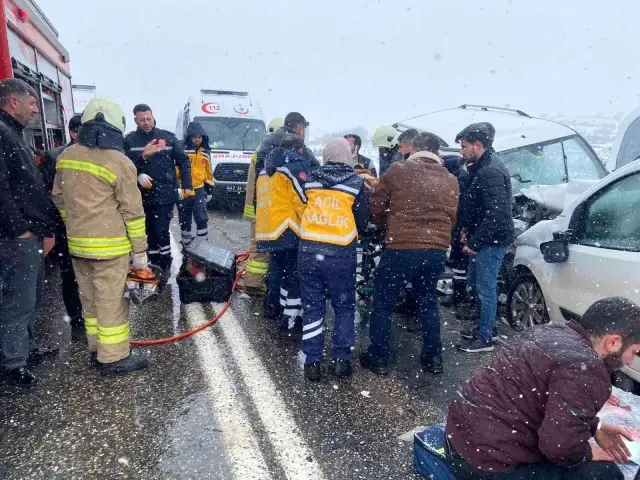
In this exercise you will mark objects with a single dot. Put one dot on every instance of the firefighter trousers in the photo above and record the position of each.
(257, 266)
(106, 311)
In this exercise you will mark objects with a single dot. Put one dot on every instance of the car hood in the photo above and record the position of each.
(557, 198)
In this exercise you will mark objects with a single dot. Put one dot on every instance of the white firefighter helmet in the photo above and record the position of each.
(105, 109)
(275, 124)
(385, 137)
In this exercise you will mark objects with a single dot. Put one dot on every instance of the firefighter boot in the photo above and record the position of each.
(128, 364)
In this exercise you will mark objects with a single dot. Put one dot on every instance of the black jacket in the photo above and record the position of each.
(161, 167)
(48, 165)
(486, 205)
(365, 163)
(272, 141)
(25, 203)
(393, 156)
(329, 175)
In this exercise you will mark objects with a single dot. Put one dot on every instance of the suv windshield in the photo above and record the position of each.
(233, 133)
(552, 163)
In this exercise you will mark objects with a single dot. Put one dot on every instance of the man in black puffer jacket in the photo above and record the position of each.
(487, 226)
(156, 153)
(27, 217)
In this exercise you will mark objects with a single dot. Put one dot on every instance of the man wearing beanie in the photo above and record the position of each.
(337, 209)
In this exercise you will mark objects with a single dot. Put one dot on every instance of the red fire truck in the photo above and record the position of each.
(30, 50)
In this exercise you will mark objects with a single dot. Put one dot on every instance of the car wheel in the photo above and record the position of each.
(525, 302)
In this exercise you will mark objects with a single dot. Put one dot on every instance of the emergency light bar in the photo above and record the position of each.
(224, 92)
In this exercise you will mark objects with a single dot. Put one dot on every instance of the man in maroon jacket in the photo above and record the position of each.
(532, 412)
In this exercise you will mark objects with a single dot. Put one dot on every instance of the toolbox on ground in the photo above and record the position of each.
(428, 454)
(207, 273)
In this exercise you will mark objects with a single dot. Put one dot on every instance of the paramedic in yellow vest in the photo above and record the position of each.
(280, 204)
(337, 208)
(96, 192)
(194, 207)
(258, 264)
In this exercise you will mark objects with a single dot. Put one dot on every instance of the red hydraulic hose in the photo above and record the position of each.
(243, 257)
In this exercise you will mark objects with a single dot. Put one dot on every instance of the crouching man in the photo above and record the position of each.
(337, 208)
(532, 412)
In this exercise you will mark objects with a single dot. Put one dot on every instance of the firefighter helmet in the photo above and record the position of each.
(385, 137)
(275, 124)
(106, 110)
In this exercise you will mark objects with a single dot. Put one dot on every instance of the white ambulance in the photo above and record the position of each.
(235, 126)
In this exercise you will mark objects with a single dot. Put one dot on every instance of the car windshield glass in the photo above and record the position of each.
(233, 133)
(551, 164)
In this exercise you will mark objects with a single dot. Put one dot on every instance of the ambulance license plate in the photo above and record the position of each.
(236, 188)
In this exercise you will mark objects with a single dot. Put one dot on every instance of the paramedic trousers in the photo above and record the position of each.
(333, 277)
(21, 284)
(157, 223)
(484, 268)
(282, 284)
(422, 268)
(257, 266)
(106, 310)
(459, 263)
(537, 471)
(193, 208)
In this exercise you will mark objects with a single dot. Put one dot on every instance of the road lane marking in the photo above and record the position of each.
(241, 443)
(241, 448)
(284, 435)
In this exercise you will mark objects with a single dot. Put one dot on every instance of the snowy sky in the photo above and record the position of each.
(345, 63)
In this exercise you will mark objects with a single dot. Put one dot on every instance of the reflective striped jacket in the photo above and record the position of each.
(280, 201)
(201, 173)
(337, 208)
(96, 193)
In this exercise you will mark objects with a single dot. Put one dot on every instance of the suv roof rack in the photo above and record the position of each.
(500, 109)
(206, 91)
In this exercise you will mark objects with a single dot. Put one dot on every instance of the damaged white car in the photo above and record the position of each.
(588, 252)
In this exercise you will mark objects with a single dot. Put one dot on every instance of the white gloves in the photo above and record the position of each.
(209, 197)
(180, 194)
(140, 260)
(145, 181)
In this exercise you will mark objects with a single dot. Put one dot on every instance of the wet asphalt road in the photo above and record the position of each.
(230, 402)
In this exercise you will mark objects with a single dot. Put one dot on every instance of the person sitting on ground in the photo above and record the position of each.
(532, 411)
(337, 209)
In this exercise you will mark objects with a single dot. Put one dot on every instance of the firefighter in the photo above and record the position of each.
(156, 153)
(385, 139)
(258, 264)
(96, 193)
(280, 204)
(194, 207)
(337, 208)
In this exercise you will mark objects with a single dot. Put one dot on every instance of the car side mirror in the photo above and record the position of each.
(557, 250)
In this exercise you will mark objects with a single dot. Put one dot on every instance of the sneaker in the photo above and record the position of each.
(432, 364)
(342, 368)
(476, 345)
(37, 355)
(128, 364)
(470, 333)
(21, 377)
(379, 367)
(313, 371)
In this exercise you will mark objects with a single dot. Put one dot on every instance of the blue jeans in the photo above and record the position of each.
(421, 268)
(334, 277)
(194, 208)
(21, 283)
(483, 279)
